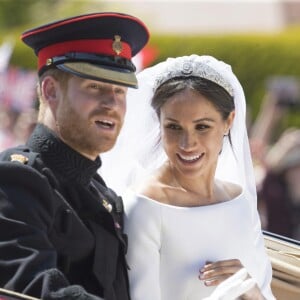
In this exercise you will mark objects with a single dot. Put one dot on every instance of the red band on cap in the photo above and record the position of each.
(102, 47)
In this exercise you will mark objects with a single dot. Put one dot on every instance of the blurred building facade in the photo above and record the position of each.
(212, 17)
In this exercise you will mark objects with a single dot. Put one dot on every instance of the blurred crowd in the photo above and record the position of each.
(17, 100)
(276, 157)
(15, 126)
(17, 106)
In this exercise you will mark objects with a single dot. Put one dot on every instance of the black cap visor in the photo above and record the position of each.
(100, 73)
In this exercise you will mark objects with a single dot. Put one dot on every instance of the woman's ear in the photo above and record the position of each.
(229, 122)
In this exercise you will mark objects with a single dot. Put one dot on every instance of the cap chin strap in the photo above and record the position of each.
(116, 70)
(120, 63)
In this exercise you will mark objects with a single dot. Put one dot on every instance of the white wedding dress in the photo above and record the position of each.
(168, 245)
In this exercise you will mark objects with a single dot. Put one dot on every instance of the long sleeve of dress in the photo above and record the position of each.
(143, 223)
(261, 259)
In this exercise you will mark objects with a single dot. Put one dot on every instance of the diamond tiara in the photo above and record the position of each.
(186, 68)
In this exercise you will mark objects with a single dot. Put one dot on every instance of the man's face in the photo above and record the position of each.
(90, 115)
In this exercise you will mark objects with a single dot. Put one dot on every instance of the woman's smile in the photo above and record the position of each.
(189, 159)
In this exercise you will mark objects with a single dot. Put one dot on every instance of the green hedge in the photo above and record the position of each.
(253, 58)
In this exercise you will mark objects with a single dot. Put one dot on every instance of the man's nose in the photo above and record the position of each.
(108, 99)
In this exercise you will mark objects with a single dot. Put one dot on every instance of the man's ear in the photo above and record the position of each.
(51, 91)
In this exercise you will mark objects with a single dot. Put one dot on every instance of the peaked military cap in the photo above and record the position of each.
(96, 46)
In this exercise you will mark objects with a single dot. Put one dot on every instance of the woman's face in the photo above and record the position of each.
(192, 133)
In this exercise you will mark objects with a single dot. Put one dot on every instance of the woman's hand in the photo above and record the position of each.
(232, 279)
(213, 273)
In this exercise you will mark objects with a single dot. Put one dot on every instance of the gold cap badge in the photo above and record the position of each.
(117, 45)
(49, 61)
(19, 157)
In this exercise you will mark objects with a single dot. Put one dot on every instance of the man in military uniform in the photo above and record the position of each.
(60, 226)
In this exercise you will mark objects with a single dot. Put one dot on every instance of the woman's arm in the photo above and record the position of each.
(142, 224)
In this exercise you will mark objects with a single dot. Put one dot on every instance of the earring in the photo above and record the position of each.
(226, 133)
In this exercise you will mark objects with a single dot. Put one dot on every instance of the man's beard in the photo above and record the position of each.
(79, 134)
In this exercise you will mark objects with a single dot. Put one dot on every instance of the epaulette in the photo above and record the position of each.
(20, 154)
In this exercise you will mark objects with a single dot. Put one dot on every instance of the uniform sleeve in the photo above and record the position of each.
(143, 226)
(28, 260)
(25, 250)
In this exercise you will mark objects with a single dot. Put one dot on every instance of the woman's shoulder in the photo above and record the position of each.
(141, 205)
(232, 190)
(152, 188)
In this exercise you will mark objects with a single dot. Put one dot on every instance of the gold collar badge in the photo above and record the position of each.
(117, 45)
(107, 205)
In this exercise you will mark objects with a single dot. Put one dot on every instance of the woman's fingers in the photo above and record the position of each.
(223, 263)
(217, 272)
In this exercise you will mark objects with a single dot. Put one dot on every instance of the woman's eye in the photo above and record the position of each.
(173, 126)
(202, 127)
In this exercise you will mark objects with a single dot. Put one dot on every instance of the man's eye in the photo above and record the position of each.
(120, 91)
(95, 86)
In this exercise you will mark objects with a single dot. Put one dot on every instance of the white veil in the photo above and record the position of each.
(136, 152)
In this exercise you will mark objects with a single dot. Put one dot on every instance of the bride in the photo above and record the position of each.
(191, 214)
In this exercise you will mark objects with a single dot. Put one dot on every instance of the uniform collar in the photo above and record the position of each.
(60, 158)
